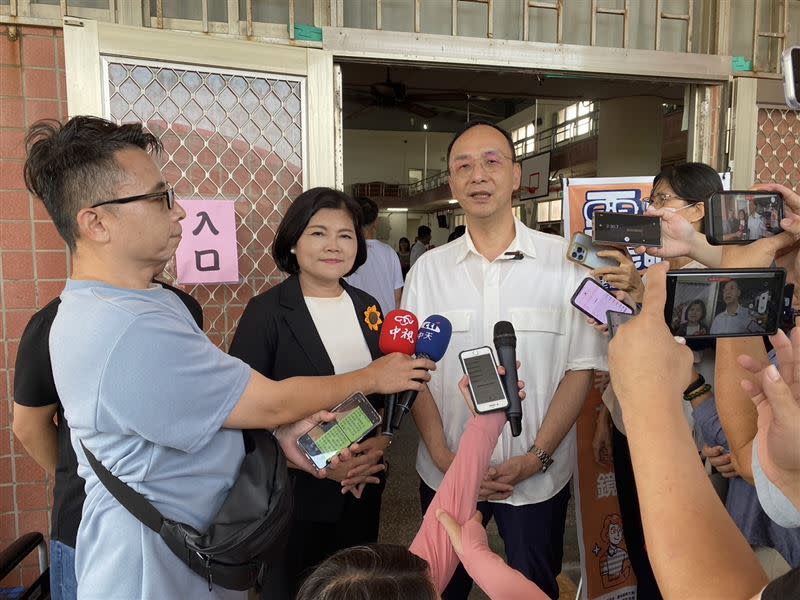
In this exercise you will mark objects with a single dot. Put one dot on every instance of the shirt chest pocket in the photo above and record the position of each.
(535, 320)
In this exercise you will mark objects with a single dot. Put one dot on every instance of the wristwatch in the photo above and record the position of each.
(543, 457)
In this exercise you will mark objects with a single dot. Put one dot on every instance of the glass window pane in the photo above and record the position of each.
(542, 212)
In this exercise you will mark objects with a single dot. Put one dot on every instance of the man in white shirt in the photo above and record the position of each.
(502, 270)
(381, 275)
(756, 229)
(735, 318)
(421, 245)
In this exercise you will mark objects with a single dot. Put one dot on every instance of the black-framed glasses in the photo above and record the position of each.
(168, 195)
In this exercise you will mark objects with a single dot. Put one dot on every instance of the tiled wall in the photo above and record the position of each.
(33, 260)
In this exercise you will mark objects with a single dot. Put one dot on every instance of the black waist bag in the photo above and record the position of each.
(249, 531)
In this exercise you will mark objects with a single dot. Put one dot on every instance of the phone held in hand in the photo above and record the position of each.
(620, 229)
(488, 394)
(593, 300)
(742, 217)
(713, 303)
(355, 418)
(583, 251)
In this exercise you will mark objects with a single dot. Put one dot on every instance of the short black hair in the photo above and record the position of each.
(72, 166)
(475, 123)
(294, 223)
(380, 571)
(692, 181)
(423, 231)
(369, 210)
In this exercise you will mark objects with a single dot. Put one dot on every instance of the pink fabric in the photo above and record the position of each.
(458, 495)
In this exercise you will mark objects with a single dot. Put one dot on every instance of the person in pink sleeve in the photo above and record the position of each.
(451, 531)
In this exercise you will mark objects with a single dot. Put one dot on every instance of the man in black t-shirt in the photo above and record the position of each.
(36, 402)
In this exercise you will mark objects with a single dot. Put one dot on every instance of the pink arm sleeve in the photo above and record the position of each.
(458, 495)
(490, 572)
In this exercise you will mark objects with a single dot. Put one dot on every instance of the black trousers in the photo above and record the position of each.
(311, 542)
(533, 535)
(647, 588)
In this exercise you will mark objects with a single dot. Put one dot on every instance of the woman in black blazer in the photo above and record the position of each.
(314, 323)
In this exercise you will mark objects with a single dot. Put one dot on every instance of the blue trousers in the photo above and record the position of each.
(63, 583)
(533, 535)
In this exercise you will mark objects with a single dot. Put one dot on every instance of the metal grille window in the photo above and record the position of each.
(777, 153)
(232, 135)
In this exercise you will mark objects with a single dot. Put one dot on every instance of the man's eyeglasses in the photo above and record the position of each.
(490, 162)
(168, 195)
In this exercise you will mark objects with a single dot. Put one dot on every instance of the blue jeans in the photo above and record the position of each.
(63, 583)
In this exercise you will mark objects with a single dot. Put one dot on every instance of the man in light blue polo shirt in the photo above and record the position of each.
(142, 387)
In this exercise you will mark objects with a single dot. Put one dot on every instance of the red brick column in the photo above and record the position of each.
(33, 260)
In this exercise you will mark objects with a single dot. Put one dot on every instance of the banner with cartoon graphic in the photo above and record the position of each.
(605, 566)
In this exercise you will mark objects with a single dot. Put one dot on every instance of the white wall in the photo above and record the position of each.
(388, 155)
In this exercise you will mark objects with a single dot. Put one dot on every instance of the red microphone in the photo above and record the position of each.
(398, 334)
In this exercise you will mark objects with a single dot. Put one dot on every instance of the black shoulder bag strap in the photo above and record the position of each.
(133, 501)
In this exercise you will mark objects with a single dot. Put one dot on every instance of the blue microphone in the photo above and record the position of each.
(432, 341)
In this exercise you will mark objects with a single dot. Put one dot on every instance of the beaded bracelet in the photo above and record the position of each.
(703, 389)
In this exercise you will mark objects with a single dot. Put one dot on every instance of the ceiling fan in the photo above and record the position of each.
(394, 94)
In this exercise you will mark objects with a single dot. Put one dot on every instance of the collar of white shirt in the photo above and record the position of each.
(522, 242)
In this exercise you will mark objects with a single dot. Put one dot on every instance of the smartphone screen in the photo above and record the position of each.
(743, 217)
(595, 301)
(724, 303)
(484, 382)
(355, 418)
(626, 230)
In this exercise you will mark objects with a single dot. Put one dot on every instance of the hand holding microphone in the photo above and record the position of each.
(432, 341)
(398, 334)
(505, 343)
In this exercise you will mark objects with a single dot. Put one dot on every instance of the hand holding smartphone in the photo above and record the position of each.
(488, 394)
(355, 418)
(593, 300)
(742, 217)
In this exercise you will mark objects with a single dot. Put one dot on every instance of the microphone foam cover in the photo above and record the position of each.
(399, 332)
(504, 333)
(434, 337)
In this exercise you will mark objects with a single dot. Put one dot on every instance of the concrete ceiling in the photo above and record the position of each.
(443, 97)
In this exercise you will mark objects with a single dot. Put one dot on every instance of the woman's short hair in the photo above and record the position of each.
(373, 572)
(692, 181)
(610, 520)
(294, 223)
(701, 304)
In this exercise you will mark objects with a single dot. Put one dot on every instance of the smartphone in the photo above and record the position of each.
(706, 303)
(594, 300)
(791, 77)
(487, 390)
(619, 229)
(355, 418)
(743, 217)
(615, 319)
(583, 251)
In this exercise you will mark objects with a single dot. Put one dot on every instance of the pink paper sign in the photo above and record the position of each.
(208, 253)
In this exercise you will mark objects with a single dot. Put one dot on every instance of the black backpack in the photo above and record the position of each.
(249, 531)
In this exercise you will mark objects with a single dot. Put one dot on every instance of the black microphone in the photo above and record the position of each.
(389, 403)
(432, 340)
(505, 342)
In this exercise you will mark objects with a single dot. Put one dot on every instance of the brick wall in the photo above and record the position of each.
(33, 261)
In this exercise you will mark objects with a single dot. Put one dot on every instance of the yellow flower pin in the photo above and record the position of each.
(372, 317)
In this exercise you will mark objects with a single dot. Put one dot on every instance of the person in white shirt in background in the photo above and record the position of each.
(421, 244)
(502, 270)
(381, 275)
